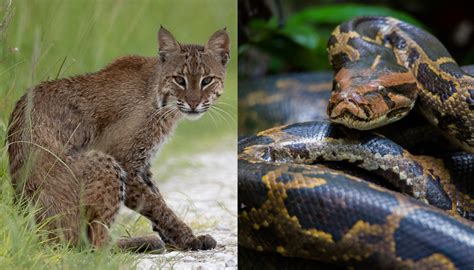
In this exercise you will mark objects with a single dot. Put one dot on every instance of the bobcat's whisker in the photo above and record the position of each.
(160, 110)
(212, 117)
(151, 118)
(226, 113)
(224, 103)
(167, 113)
(220, 115)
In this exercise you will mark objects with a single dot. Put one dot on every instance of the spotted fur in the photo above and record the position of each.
(85, 142)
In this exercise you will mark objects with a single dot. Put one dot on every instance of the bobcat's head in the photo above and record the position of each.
(192, 76)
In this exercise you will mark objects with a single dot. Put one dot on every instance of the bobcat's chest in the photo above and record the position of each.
(148, 142)
(143, 171)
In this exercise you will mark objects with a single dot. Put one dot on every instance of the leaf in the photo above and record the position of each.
(337, 13)
(261, 29)
(304, 35)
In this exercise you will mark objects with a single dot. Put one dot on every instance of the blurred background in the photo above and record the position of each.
(278, 36)
(48, 39)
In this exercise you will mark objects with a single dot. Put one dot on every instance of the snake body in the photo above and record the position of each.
(316, 212)
(320, 191)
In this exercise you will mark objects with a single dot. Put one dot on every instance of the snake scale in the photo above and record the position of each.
(391, 197)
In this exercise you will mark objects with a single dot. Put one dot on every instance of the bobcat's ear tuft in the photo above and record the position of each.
(167, 43)
(219, 45)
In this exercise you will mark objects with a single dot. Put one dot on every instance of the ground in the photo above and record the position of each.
(204, 194)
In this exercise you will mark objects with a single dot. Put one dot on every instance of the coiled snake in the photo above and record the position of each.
(323, 191)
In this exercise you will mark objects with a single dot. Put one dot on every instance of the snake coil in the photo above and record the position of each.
(321, 191)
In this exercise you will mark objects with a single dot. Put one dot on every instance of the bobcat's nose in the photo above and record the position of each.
(193, 104)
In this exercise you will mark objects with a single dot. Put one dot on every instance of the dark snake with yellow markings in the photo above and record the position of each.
(325, 192)
(384, 65)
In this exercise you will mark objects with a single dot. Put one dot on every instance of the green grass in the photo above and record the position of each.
(46, 39)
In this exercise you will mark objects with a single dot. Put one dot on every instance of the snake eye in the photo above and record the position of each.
(206, 81)
(336, 86)
(180, 80)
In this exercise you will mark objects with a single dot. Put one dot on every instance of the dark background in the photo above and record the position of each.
(274, 39)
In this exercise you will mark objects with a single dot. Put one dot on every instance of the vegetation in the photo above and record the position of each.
(298, 41)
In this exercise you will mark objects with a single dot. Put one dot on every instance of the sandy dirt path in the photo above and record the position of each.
(204, 194)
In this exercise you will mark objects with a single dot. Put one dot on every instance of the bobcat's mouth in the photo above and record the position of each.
(195, 112)
(192, 114)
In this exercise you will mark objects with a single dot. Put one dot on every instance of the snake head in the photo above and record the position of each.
(363, 98)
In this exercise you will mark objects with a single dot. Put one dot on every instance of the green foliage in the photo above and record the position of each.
(335, 14)
(300, 44)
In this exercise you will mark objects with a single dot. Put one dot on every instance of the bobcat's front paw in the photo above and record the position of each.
(202, 242)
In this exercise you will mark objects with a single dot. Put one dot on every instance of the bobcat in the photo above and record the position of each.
(81, 146)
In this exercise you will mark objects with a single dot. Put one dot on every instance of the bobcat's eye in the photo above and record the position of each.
(180, 80)
(206, 81)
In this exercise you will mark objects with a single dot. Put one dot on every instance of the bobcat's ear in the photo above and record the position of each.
(167, 43)
(219, 45)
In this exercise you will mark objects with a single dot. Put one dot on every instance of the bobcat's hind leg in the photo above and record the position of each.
(104, 190)
(85, 193)
(141, 244)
